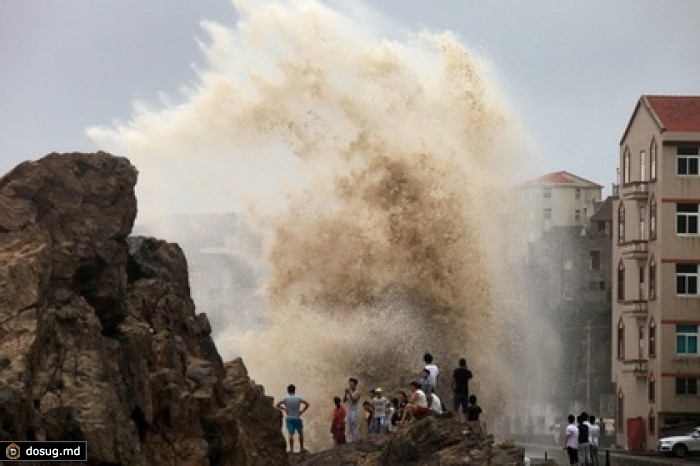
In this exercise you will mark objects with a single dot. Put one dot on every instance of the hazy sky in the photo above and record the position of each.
(572, 70)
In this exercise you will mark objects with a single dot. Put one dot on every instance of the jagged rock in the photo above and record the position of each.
(99, 338)
(436, 440)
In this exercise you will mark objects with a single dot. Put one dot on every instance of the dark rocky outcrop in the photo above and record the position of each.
(436, 440)
(99, 338)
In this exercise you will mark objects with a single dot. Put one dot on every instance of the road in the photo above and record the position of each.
(559, 455)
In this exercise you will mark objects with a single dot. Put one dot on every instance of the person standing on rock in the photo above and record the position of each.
(460, 387)
(432, 370)
(352, 399)
(294, 407)
(380, 405)
(338, 422)
(571, 442)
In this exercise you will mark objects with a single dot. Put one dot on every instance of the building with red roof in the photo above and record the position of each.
(557, 199)
(656, 263)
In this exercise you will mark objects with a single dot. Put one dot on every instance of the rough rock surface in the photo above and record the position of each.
(99, 338)
(436, 440)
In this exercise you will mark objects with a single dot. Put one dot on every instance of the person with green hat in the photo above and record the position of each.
(379, 407)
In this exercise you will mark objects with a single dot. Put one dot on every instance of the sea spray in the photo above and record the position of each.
(376, 170)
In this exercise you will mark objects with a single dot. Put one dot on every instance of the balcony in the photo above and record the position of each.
(637, 308)
(635, 190)
(635, 249)
(638, 367)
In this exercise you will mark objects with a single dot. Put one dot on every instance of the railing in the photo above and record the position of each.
(635, 189)
(636, 308)
(638, 248)
(637, 367)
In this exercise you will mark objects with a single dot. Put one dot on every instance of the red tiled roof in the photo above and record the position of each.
(561, 177)
(676, 113)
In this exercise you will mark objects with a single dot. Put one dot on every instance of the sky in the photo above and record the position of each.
(572, 71)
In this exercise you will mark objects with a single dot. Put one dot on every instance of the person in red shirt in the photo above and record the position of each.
(338, 422)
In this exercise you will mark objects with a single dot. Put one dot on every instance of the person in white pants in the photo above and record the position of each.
(352, 398)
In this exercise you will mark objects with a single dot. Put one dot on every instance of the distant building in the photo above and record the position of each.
(555, 199)
(656, 262)
(567, 283)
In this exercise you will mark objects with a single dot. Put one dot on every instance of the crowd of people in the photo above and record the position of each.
(582, 439)
(381, 414)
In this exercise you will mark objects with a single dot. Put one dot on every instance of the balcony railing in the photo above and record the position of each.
(635, 190)
(638, 367)
(635, 249)
(637, 308)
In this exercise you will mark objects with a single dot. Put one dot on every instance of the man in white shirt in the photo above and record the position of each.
(571, 442)
(432, 369)
(434, 403)
(594, 436)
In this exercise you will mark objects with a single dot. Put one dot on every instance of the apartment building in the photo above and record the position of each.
(656, 263)
(554, 199)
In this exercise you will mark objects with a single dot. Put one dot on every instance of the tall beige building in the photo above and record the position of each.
(656, 264)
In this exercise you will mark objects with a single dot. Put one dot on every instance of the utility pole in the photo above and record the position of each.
(588, 366)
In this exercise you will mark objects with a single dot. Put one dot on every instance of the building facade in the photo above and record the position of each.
(656, 264)
(556, 199)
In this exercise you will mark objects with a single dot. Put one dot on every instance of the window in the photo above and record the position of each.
(547, 214)
(595, 260)
(642, 165)
(687, 279)
(686, 339)
(601, 227)
(601, 285)
(626, 167)
(652, 422)
(686, 386)
(620, 340)
(621, 224)
(652, 389)
(642, 222)
(652, 161)
(652, 219)
(641, 282)
(652, 280)
(577, 193)
(621, 282)
(687, 160)
(577, 215)
(687, 219)
(652, 339)
(640, 342)
(620, 421)
(547, 193)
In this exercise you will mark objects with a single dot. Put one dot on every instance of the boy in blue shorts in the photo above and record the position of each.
(292, 406)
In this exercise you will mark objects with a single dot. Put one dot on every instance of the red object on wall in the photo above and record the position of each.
(636, 435)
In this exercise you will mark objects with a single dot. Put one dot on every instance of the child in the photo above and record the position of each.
(338, 422)
(368, 413)
(379, 407)
(474, 410)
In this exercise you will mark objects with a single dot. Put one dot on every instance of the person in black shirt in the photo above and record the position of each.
(473, 410)
(460, 386)
(584, 447)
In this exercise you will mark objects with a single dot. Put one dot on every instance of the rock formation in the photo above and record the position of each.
(436, 440)
(99, 338)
